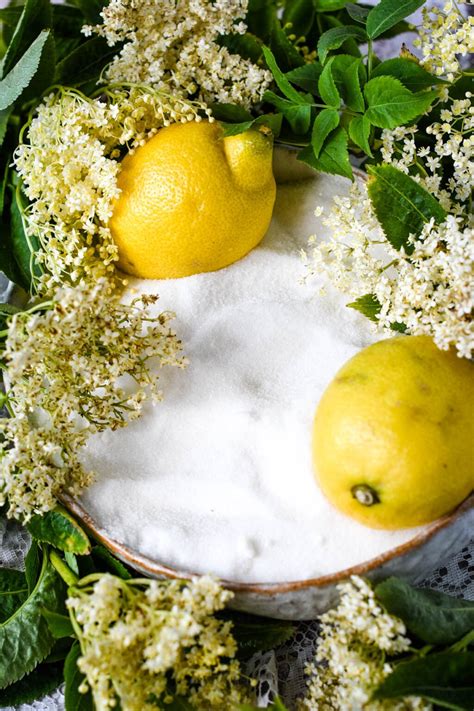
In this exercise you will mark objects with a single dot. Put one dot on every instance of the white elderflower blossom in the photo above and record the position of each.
(65, 363)
(144, 641)
(173, 45)
(444, 36)
(69, 163)
(350, 660)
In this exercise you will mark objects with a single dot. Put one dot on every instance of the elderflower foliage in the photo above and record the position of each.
(69, 163)
(444, 36)
(74, 366)
(143, 641)
(172, 45)
(356, 638)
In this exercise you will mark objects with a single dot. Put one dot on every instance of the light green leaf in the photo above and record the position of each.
(35, 16)
(327, 88)
(281, 80)
(326, 121)
(25, 639)
(359, 133)
(410, 73)
(358, 13)
(74, 700)
(297, 115)
(390, 104)
(348, 72)
(58, 528)
(306, 77)
(336, 36)
(402, 206)
(41, 681)
(334, 157)
(16, 81)
(13, 592)
(329, 5)
(387, 13)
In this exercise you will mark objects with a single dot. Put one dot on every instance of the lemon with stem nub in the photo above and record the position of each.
(393, 439)
(192, 200)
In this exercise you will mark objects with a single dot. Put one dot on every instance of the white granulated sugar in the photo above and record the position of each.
(218, 478)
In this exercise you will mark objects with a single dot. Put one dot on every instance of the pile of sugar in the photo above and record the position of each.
(218, 478)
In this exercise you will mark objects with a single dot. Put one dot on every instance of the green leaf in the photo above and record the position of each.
(13, 591)
(446, 679)
(230, 113)
(348, 72)
(271, 121)
(32, 565)
(59, 625)
(336, 36)
(41, 681)
(74, 700)
(258, 634)
(326, 121)
(410, 73)
(300, 15)
(247, 45)
(281, 80)
(306, 77)
(22, 247)
(297, 115)
(91, 10)
(17, 80)
(390, 104)
(387, 13)
(334, 157)
(71, 561)
(329, 5)
(286, 54)
(358, 13)
(112, 564)
(35, 16)
(25, 639)
(67, 21)
(432, 616)
(402, 206)
(59, 528)
(368, 305)
(327, 88)
(359, 133)
(4, 116)
(85, 63)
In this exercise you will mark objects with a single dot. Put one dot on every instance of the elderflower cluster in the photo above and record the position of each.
(173, 45)
(356, 638)
(444, 36)
(69, 163)
(144, 642)
(75, 365)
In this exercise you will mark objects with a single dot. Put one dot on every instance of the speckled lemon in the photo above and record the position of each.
(393, 438)
(192, 200)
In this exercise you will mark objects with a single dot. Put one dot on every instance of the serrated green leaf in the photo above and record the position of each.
(44, 75)
(432, 616)
(359, 133)
(25, 639)
(35, 16)
(281, 80)
(85, 63)
(358, 13)
(297, 115)
(73, 699)
(390, 104)
(41, 681)
(306, 77)
(334, 157)
(257, 634)
(402, 206)
(336, 36)
(327, 88)
(112, 564)
(446, 679)
(59, 625)
(411, 74)
(13, 591)
(368, 305)
(326, 121)
(329, 5)
(300, 15)
(59, 528)
(348, 72)
(387, 13)
(21, 75)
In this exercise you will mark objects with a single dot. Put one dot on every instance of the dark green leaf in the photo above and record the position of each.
(91, 9)
(348, 72)
(260, 19)
(22, 247)
(32, 565)
(327, 88)
(402, 206)
(257, 634)
(65, 46)
(59, 625)
(297, 115)
(6, 311)
(335, 37)
(35, 16)
(103, 556)
(59, 528)
(445, 679)
(13, 592)
(390, 104)
(25, 639)
(334, 157)
(41, 681)
(67, 21)
(359, 132)
(16, 81)
(74, 700)
(387, 13)
(60, 650)
(230, 113)
(368, 305)
(10, 15)
(300, 15)
(306, 77)
(430, 615)
(286, 54)
(329, 5)
(358, 13)
(281, 80)
(4, 116)
(410, 73)
(85, 63)
(326, 121)
(247, 45)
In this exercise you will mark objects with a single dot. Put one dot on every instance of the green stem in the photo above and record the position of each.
(69, 577)
(463, 643)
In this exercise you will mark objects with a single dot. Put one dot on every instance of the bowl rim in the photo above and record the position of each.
(157, 569)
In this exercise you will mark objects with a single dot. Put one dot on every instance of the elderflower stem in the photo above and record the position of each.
(69, 577)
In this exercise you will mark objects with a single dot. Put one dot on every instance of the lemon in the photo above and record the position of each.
(393, 438)
(192, 200)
